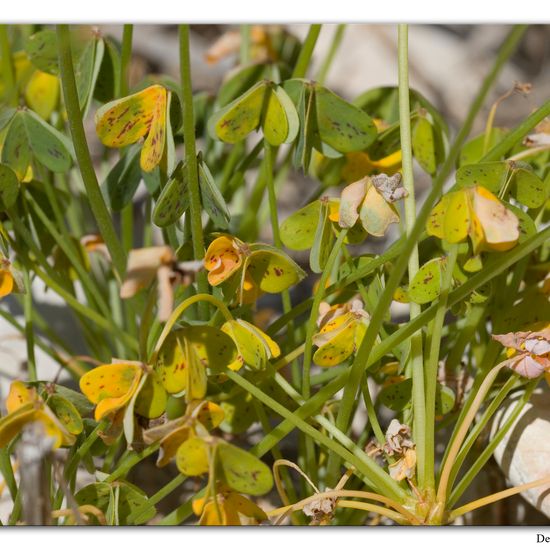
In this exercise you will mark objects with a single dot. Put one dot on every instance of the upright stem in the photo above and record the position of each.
(7, 66)
(125, 56)
(29, 329)
(432, 368)
(191, 154)
(97, 204)
(416, 353)
(245, 44)
(306, 52)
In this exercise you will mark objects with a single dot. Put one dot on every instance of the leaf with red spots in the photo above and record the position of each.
(272, 270)
(66, 413)
(111, 386)
(131, 118)
(187, 353)
(426, 284)
(265, 105)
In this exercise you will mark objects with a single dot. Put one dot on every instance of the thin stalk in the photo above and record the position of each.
(8, 73)
(362, 355)
(138, 515)
(29, 329)
(372, 473)
(244, 50)
(306, 52)
(432, 367)
(479, 426)
(474, 505)
(272, 198)
(334, 45)
(97, 203)
(125, 57)
(176, 314)
(371, 413)
(443, 487)
(191, 156)
(312, 322)
(127, 214)
(487, 453)
(416, 352)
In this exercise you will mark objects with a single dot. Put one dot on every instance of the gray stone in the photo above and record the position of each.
(524, 453)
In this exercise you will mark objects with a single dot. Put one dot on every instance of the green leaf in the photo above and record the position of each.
(212, 199)
(280, 122)
(341, 125)
(473, 151)
(9, 187)
(130, 500)
(239, 413)
(323, 240)
(298, 230)
(272, 270)
(397, 395)
(42, 50)
(174, 198)
(151, 400)
(16, 152)
(444, 400)
(423, 145)
(239, 81)
(528, 188)
(47, 144)
(87, 70)
(109, 73)
(242, 471)
(491, 175)
(66, 412)
(123, 180)
(242, 116)
(426, 284)
(79, 401)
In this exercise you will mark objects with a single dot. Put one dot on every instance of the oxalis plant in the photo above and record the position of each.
(167, 285)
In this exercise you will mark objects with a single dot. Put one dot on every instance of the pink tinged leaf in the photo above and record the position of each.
(525, 365)
(537, 346)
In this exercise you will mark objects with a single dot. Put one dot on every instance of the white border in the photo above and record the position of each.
(284, 11)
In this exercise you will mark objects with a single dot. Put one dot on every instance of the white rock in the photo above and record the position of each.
(524, 453)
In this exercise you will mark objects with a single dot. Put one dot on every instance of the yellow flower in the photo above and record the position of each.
(224, 256)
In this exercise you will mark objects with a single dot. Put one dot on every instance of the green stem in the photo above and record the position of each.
(306, 52)
(334, 45)
(416, 352)
(191, 156)
(8, 73)
(399, 268)
(125, 57)
(29, 329)
(371, 413)
(312, 322)
(479, 426)
(487, 453)
(97, 203)
(432, 367)
(245, 44)
(373, 474)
